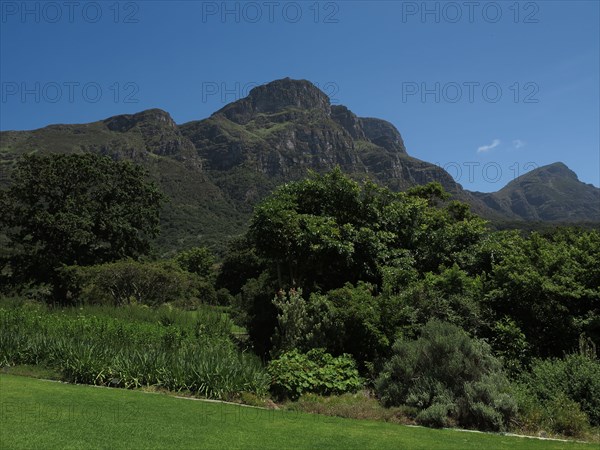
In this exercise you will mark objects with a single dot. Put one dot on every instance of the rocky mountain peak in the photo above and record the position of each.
(551, 192)
(275, 97)
(544, 175)
(155, 118)
(383, 133)
(557, 169)
(285, 93)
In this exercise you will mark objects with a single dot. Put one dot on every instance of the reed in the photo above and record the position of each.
(132, 347)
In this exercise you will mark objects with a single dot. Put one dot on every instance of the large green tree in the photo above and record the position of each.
(549, 285)
(67, 209)
(328, 231)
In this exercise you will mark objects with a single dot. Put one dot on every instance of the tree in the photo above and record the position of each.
(550, 287)
(198, 260)
(327, 230)
(76, 209)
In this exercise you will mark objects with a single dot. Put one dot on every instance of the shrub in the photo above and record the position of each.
(224, 298)
(295, 373)
(510, 345)
(198, 260)
(437, 415)
(303, 324)
(293, 321)
(575, 377)
(360, 405)
(564, 416)
(450, 377)
(128, 281)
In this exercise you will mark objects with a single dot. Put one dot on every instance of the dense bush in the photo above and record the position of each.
(302, 324)
(345, 320)
(549, 286)
(294, 322)
(511, 346)
(102, 350)
(450, 377)
(450, 296)
(328, 230)
(295, 373)
(198, 260)
(258, 311)
(574, 378)
(128, 281)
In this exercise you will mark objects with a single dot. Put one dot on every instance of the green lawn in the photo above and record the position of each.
(43, 414)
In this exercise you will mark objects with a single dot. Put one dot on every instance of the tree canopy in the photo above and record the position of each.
(66, 209)
(328, 230)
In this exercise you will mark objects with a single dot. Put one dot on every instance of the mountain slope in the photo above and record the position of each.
(548, 193)
(214, 170)
(287, 127)
(196, 210)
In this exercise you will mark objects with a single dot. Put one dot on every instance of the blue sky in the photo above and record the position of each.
(487, 90)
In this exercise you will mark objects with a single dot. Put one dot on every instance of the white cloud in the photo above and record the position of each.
(518, 143)
(487, 148)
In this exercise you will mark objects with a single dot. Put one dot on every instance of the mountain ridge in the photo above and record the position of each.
(215, 169)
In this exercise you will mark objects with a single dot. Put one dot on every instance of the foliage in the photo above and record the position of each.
(565, 417)
(292, 321)
(241, 263)
(360, 405)
(295, 373)
(511, 346)
(550, 287)
(325, 231)
(575, 377)
(198, 260)
(560, 415)
(355, 324)
(303, 324)
(345, 320)
(101, 350)
(450, 377)
(256, 304)
(76, 209)
(450, 296)
(129, 281)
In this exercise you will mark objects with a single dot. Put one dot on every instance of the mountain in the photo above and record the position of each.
(214, 170)
(548, 193)
(197, 210)
(286, 127)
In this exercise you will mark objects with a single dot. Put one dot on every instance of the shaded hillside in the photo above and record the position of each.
(196, 210)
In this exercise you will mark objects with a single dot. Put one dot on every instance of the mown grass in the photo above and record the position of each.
(41, 414)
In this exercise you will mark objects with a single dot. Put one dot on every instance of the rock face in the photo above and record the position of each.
(277, 96)
(287, 127)
(383, 134)
(214, 170)
(157, 129)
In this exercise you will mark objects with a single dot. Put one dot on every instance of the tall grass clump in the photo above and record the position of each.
(163, 348)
